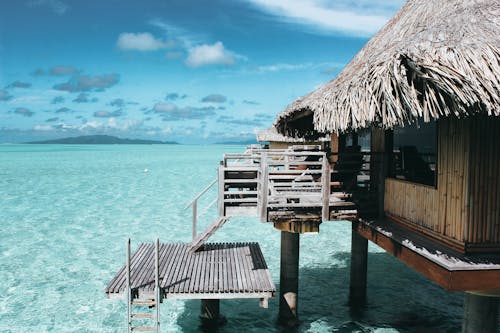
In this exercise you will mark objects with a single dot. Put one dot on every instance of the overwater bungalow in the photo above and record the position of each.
(424, 94)
(426, 89)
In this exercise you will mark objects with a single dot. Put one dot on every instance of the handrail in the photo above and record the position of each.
(157, 284)
(128, 289)
(201, 193)
(194, 204)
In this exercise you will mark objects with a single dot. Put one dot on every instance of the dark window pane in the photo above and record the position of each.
(415, 153)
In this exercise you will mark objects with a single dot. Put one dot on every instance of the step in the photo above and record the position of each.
(240, 181)
(142, 315)
(144, 303)
(237, 200)
(242, 168)
(241, 192)
(342, 204)
(209, 231)
(144, 329)
(341, 195)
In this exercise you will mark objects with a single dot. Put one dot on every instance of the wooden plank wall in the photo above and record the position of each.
(465, 207)
(415, 203)
(484, 182)
(443, 210)
(453, 187)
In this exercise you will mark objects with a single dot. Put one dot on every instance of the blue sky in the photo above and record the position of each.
(183, 70)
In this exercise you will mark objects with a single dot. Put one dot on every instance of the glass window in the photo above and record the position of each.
(415, 153)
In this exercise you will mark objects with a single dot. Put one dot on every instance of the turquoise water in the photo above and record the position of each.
(66, 212)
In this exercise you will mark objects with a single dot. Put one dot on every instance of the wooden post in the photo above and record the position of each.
(325, 189)
(381, 142)
(334, 148)
(264, 182)
(195, 212)
(157, 284)
(222, 188)
(480, 314)
(210, 312)
(359, 258)
(289, 278)
(128, 292)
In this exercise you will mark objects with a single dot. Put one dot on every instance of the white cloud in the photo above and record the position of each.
(43, 128)
(56, 6)
(361, 19)
(205, 54)
(141, 41)
(126, 125)
(198, 52)
(324, 67)
(164, 107)
(283, 67)
(181, 37)
(91, 124)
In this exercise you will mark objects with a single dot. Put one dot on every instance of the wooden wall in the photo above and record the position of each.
(453, 165)
(483, 206)
(413, 202)
(465, 207)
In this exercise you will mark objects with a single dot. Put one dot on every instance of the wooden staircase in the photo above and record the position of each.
(201, 238)
(290, 185)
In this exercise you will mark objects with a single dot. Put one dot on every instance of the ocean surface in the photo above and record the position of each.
(67, 210)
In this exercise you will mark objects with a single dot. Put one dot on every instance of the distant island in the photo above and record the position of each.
(101, 140)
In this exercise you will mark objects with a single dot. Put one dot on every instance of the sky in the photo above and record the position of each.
(190, 71)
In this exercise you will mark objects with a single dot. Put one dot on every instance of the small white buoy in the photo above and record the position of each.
(146, 170)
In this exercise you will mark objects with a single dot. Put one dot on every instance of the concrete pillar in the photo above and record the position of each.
(359, 258)
(289, 279)
(480, 314)
(210, 312)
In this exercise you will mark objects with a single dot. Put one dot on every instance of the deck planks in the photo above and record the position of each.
(223, 270)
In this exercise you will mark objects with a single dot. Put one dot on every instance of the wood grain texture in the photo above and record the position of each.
(222, 270)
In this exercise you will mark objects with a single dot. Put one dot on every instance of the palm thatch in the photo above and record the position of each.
(432, 59)
(272, 135)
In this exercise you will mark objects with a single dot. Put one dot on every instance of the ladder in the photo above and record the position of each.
(133, 303)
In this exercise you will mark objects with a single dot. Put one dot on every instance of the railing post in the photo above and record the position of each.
(128, 290)
(157, 283)
(195, 213)
(264, 188)
(325, 189)
(221, 189)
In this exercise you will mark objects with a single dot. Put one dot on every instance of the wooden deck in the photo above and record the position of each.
(450, 269)
(215, 271)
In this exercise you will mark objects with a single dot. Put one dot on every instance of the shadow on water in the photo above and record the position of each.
(399, 300)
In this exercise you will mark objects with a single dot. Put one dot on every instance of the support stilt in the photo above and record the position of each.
(480, 314)
(289, 278)
(210, 312)
(359, 256)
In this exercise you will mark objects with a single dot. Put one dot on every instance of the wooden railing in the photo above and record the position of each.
(359, 176)
(194, 204)
(295, 179)
(263, 181)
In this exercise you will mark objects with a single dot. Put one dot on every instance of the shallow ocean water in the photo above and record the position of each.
(67, 210)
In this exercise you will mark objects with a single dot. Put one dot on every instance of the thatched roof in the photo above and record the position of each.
(272, 135)
(432, 59)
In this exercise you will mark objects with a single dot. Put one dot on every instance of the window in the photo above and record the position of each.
(415, 153)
